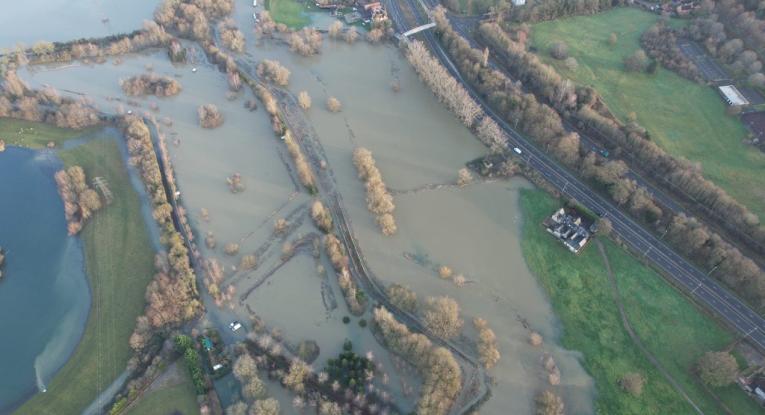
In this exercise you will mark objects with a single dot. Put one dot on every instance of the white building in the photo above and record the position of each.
(519, 2)
(732, 95)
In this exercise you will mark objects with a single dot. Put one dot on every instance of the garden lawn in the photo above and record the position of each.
(34, 135)
(173, 399)
(289, 12)
(685, 118)
(670, 326)
(119, 262)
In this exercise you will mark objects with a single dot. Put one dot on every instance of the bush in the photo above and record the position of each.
(559, 50)
(334, 105)
(346, 319)
(209, 116)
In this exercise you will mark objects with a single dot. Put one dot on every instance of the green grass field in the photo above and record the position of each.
(119, 263)
(686, 119)
(180, 398)
(289, 12)
(669, 325)
(34, 135)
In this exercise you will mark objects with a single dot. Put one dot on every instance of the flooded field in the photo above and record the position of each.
(416, 143)
(44, 297)
(62, 20)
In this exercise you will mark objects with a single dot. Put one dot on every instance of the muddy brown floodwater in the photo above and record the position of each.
(416, 142)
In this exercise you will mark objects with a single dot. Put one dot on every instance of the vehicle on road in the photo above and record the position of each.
(235, 325)
(517, 150)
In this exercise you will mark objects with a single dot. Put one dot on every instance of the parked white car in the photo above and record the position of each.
(235, 325)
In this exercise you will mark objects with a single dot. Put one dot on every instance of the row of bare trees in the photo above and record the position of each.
(442, 377)
(379, 200)
(543, 124)
(446, 88)
(80, 200)
(172, 295)
(274, 72)
(151, 84)
(17, 100)
(231, 37)
(355, 298)
(305, 42)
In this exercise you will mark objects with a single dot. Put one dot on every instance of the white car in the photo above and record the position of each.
(517, 150)
(235, 325)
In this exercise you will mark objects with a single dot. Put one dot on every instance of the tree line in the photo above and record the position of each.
(17, 100)
(542, 123)
(379, 200)
(80, 200)
(540, 10)
(171, 296)
(442, 377)
(354, 297)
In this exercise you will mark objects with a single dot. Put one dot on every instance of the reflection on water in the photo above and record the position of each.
(44, 297)
(30, 21)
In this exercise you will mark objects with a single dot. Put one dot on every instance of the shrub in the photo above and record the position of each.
(334, 105)
(346, 319)
(304, 100)
(209, 116)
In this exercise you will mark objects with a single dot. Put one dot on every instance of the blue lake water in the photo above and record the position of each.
(44, 294)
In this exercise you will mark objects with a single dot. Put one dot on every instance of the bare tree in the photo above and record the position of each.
(442, 316)
(304, 100)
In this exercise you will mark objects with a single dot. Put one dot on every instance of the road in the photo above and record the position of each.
(699, 286)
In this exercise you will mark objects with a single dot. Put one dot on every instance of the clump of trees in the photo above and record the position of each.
(209, 116)
(717, 368)
(151, 84)
(552, 9)
(305, 42)
(184, 345)
(321, 216)
(488, 348)
(632, 383)
(443, 85)
(275, 72)
(355, 298)
(442, 377)
(379, 200)
(334, 104)
(464, 177)
(402, 297)
(304, 172)
(638, 61)
(245, 370)
(335, 29)
(441, 315)
(80, 200)
(304, 100)
(235, 184)
(213, 278)
(548, 403)
(231, 249)
(351, 370)
(172, 295)
(268, 406)
(660, 42)
(231, 37)
(190, 18)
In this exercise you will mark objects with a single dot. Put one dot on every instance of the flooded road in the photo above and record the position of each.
(416, 142)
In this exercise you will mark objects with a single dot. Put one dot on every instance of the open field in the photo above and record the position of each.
(33, 135)
(119, 264)
(169, 399)
(685, 118)
(671, 327)
(289, 12)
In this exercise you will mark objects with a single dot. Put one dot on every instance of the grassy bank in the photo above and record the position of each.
(175, 398)
(686, 119)
(669, 325)
(119, 264)
(34, 135)
(289, 12)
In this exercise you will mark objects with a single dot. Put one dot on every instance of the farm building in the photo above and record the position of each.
(569, 228)
(732, 95)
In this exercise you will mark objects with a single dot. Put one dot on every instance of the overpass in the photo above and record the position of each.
(418, 29)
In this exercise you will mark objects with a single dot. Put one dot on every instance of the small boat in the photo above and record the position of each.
(254, 3)
(194, 70)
